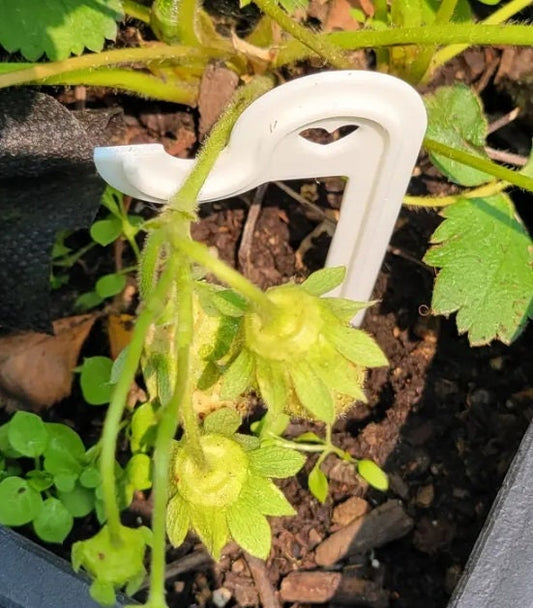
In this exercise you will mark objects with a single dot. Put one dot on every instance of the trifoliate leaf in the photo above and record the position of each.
(271, 377)
(178, 520)
(237, 377)
(324, 280)
(57, 27)
(314, 395)
(19, 502)
(79, 502)
(356, 345)
(54, 521)
(318, 484)
(27, 434)
(249, 529)
(211, 526)
(275, 461)
(373, 475)
(224, 421)
(456, 118)
(261, 493)
(485, 255)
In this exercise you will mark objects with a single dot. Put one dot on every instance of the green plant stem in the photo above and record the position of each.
(174, 21)
(136, 10)
(200, 254)
(16, 74)
(444, 201)
(185, 200)
(449, 52)
(428, 35)
(487, 166)
(181, 400)
(113, 418)
(319, 44)
(380, 14)
(134, 81)
(445, 12)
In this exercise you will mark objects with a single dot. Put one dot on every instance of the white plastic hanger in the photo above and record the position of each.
(266, 145)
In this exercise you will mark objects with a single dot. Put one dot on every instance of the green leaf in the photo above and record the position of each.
(65, 452)
(39, 480)
(373, 475)
(143, 426)
(105, 232)
(57, 28)
(275, 461)
(178, 520)
(224, 421)
(324, 280)
(65, 482)
(54, 522)
(343, 308)
(211, 526)
(79, 502)
(90, 477)
(237, 377)
(5, 446)
(271, 424)
(484, 254)
(318, 483)
(103, 593)
(110, 284)
(19, 503)
(308, 437)
(95, 380)
(356, 345)
(456, 119)
(263, 494)
(27, 434)
(247, 442)
(229, 303)
(87, 301)
(139, 472)
(273, 384)
(249, 529)
(314, 395)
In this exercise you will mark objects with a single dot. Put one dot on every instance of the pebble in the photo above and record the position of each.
(425, 496)
(221, 597)
(350, 509)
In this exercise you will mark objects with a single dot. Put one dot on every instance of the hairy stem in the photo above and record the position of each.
(136, 10)
(444, 201)
(487, 166)
(118, 402)
(319, 44)
(181, 400)
(174, 21)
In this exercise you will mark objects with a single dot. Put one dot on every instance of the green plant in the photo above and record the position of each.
(202, 349)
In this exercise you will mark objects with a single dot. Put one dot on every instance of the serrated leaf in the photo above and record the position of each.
(275, 461)
(57, 28)
(249, 529)
(484, 254)
(373, 475)
(356, 345)
(247, 442)
(224, 421)
(324, 280)
(313, 394)
(237, 378)
(271, 377)
(318, 484)
(456, 118)
(344, 309)
(178, 520)
(27, 434)
(263, 494)
(19, 503)
(211, 526)
(105, 232)
(54, 521)
(95, 380)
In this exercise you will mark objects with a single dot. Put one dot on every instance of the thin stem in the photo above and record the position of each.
(136, 10)
(445, 11)
(499, 16)
(380, 14)
(116, 407)
(185, 199)
(200, 254)
(135, 81)
(168, 426)
(444, 201)
(320, 45)
(428, 35)
(174, 21)
(487, 166)
(179, 54)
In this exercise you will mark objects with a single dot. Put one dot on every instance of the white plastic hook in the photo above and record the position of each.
(266, 145)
